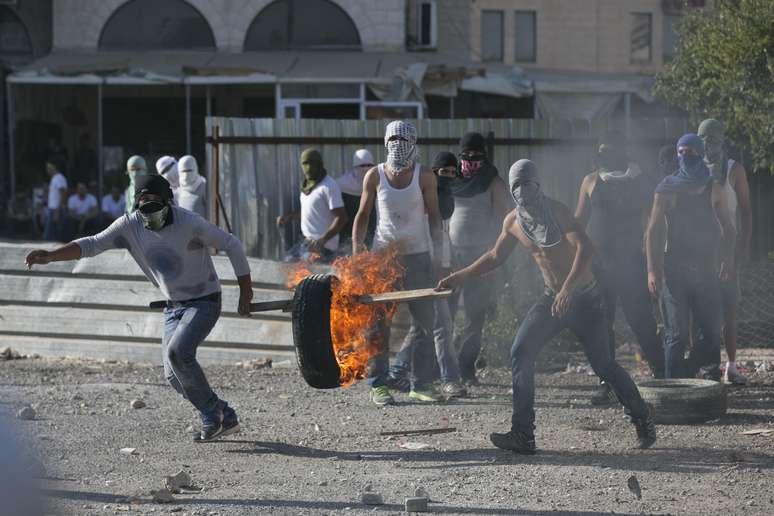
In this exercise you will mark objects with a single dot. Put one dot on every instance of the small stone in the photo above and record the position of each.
(27, 413)
(323, 483)
(421, 492)
(129, 451)
(178, 480)
(162, 496)
(369, 498)
(416, 504)
(137, 404)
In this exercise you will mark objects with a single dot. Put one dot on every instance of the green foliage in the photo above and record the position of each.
(724, 69)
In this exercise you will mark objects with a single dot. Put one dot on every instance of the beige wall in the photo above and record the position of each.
(78, 23)
(586, 35)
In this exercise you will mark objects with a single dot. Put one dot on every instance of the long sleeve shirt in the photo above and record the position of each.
(175, 258)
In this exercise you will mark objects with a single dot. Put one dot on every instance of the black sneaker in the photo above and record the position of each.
(212, 425)
(646, 430)
(603, 395)
(230, 422)
(517, 442)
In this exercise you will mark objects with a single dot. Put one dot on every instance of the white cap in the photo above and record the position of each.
(362, 157)
(165, 164)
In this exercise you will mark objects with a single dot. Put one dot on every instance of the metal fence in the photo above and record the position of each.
(258, 177)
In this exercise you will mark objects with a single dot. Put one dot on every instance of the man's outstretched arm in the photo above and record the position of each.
(490, 260)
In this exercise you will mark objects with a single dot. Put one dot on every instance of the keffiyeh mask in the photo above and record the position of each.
(400, 139)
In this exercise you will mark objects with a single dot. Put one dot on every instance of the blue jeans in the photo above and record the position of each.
(186, 325)
(586, 319)
(691, 289)
(53, 230)
(476, 300)
(418, 274)
(442, 336)
(300, 252)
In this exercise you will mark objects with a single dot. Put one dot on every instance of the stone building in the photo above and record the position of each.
(139, 76)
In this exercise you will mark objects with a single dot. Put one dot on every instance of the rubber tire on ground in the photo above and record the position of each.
(312, 332)
(679, 401)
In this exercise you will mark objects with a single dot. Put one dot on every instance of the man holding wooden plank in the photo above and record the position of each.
(572, 299)
(170, 245)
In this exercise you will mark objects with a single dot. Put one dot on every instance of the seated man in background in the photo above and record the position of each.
(82, 212)
(322, 212)
(113, 206)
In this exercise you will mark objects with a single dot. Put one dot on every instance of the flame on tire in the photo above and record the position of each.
(355, 327)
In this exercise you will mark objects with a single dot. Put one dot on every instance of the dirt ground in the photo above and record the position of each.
(303, 451)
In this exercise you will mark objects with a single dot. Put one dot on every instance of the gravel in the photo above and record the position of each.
(303, 451)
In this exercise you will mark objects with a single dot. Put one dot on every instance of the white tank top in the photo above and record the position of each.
(730, 194)
(401, 215)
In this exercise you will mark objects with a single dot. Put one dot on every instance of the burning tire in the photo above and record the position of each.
(680, 401)
(312, 332)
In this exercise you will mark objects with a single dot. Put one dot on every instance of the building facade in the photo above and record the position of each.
(139, 76)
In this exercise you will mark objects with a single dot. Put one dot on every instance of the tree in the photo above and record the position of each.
(724, 69)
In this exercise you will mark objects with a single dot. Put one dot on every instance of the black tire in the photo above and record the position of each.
(680, 401)
(312, 332)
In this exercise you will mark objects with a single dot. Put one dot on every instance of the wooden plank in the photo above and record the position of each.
(403, 296)
(131, 325)
(26, 289)
(138, 352)
(284, 305)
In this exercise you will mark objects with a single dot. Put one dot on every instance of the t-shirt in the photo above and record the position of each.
(113, 207)
(54, 186)
(80, 206)
(176, 258)
(317, 211)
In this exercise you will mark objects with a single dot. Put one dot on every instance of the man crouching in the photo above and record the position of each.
(571, 300)
(170, 245)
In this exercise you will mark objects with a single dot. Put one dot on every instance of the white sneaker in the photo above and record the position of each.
(733, 376)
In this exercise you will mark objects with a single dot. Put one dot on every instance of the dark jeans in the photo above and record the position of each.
(442, 338)
(186, 325)
(691, 289)
(419, 274)
(627, 281)
(476, 300)
(585, 318)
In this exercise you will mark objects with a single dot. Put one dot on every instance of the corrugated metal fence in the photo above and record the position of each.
(260, 177)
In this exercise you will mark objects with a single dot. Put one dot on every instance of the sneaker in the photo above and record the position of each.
(230, 422)
(212, 425)
(471, 380)
(453, 390)
(380, 396)
(646, 430)
(603, 395)
(399, 382)
(709, 373)
(425, 394)
(733, 376)
(517, 442)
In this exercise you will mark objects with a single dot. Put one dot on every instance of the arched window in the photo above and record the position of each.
(302, 24)
(14, 38)
(156, 25)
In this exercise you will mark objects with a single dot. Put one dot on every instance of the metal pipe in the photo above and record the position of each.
(11, 138)
(100, 156)
(214, 188)
(188, 119)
